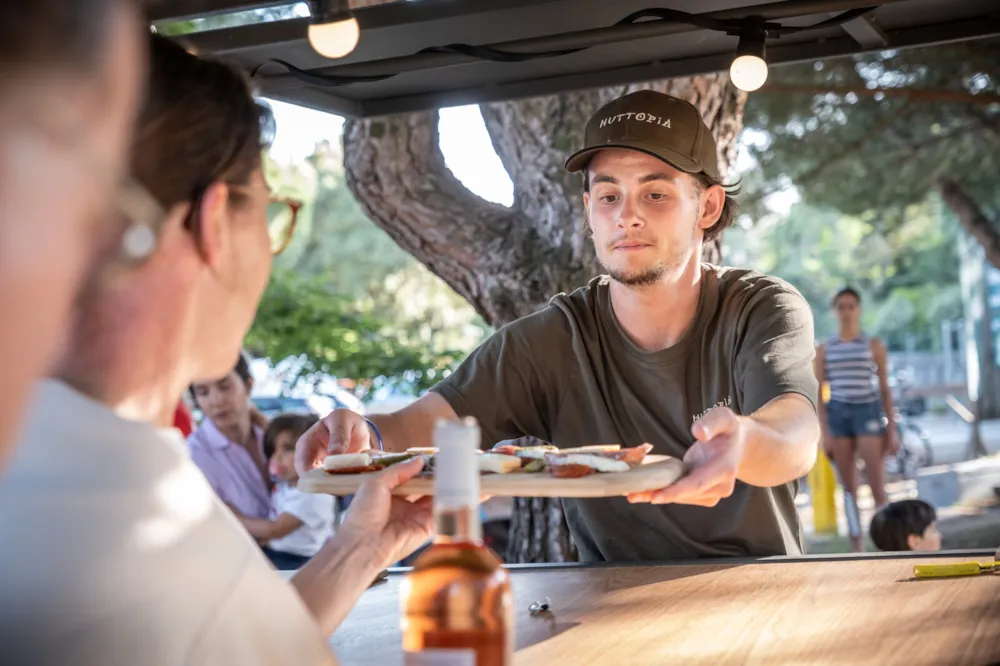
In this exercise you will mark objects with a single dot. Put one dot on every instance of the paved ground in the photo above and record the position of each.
(962, 526)
(950, 436)
(969, 526)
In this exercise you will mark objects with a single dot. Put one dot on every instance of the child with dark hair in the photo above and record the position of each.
(906, 525)
(300, 523)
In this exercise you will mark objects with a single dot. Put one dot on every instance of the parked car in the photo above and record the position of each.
(271, 406)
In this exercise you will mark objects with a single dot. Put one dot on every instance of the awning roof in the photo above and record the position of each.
(392, 33)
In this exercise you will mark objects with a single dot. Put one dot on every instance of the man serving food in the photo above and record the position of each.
(708, 364)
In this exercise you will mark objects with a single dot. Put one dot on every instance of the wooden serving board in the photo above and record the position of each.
(655, 472)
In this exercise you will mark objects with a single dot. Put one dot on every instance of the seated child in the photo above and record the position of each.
(906, 525)
(300, 523)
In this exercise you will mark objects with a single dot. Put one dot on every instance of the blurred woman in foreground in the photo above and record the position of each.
(122, 553)
(70, 76)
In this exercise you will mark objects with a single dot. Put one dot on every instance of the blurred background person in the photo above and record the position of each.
(855, 366)
(123, 553)
(70, 75)
(228, 445)
(906, 525)
(300, 523)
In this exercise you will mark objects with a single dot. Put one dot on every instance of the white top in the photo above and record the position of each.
(315, 512)
(117, 552)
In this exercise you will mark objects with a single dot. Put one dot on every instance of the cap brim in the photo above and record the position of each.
(579, 160)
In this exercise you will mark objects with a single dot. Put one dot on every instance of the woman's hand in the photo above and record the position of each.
(826, 441)
(380, 529)
(390, 526)
(892, 441)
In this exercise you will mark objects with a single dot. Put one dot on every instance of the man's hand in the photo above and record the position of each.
(341, 431)
(713, 462)
(389, 526)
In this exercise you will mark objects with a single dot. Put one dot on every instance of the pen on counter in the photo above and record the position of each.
(960, 569)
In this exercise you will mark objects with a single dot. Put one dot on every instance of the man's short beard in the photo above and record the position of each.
(644, 278)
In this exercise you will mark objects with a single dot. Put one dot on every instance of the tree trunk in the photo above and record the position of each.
(971, 217)
(984, 232)
(987, 403)
(508, 262)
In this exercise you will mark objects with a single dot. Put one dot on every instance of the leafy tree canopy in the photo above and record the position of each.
(874, 131)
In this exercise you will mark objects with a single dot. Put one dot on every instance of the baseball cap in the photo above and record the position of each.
(655, 123)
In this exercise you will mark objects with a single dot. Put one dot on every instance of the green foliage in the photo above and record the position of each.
(330, 335)
(864, 166)
(335, 237)
(908, 276)
(857, 153)
(231, 20)
(345, 300)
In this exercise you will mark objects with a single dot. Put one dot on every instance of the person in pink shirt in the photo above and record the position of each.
(228, 447)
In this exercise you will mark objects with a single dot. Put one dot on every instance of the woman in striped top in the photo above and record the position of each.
(855, 366)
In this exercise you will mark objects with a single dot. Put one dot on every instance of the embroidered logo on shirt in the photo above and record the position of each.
(722, 403)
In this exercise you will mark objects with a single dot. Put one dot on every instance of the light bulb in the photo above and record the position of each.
(335, 39)
(748, 72)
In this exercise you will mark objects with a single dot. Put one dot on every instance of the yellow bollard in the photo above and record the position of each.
(822, 491)
(823, 488)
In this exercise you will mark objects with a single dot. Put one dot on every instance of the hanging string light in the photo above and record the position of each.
(749, 69)
(334, 31)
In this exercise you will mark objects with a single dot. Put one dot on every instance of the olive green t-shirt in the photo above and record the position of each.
(569, 375)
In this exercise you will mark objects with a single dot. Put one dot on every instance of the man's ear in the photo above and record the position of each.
(712, 200)
(213, 223)
(586, 213)
(913, 541)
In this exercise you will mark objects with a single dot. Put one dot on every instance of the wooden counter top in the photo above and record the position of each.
(851, 610)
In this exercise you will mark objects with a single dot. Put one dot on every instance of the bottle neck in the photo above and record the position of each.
(458, 525)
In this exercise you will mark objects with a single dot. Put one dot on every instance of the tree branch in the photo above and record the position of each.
(845, 151)
(888, 125)
(395, 169)
(990, 123)
(971, 217)
(911, 94)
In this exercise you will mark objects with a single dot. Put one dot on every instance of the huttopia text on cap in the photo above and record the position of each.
(655, 123)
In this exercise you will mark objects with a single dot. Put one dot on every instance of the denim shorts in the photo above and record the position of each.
(853, 420)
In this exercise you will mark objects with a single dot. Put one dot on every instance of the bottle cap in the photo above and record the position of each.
(456, 469)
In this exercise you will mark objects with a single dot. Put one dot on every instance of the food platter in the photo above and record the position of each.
(655, 472)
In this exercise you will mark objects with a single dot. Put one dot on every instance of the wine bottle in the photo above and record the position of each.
(456, 602)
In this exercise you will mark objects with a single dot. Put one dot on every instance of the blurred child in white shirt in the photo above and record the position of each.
(300, 523)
